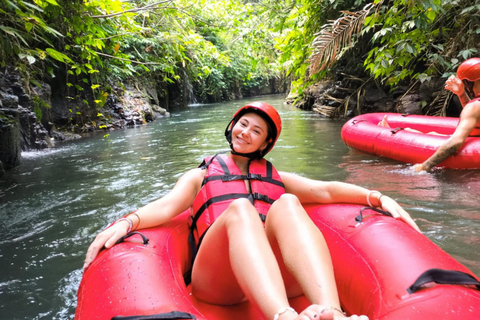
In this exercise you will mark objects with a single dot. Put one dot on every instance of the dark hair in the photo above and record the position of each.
(469, 88)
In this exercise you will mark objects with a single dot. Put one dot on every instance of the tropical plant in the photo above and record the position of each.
(219, 46)
(336, 37)
(298, 25)
(410, 40)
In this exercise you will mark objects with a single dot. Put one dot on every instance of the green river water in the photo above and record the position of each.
(52, 206)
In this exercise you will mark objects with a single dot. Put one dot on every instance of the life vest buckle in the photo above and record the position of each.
(254, 176)
(262, 197)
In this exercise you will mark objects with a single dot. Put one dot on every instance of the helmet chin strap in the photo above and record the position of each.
(252, 155)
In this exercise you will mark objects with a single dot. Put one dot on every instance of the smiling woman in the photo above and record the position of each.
(248, 223)
(270, 127)
(52, 206)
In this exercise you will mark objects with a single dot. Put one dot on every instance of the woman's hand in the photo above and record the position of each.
(390, 205)
(105, 239)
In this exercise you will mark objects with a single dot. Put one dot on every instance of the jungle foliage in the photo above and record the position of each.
(404, 42)
(222, 46)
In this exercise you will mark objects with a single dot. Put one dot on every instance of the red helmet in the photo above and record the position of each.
(469, 70)
(269, 114)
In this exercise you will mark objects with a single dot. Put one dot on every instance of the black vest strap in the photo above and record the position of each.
(249, 176)
(224, 166)
(262, 197)
(253, 196)
(227, 176)
(214, 200)
(269, 170)
(160, 316)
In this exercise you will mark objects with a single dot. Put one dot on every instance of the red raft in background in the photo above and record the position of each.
(363, 133)
(378, 262)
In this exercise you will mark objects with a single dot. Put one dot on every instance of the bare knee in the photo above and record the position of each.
(287, 209)
(241, 210)
(287, 201)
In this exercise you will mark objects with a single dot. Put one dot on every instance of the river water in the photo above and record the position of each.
(52, 206)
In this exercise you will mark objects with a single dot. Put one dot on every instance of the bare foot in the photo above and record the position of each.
(319, 312)
(384, 122)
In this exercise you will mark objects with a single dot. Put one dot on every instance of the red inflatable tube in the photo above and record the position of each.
(363, 133)
(375, 262)
(132, 278)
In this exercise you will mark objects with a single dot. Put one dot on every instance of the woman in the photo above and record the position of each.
(281, 257)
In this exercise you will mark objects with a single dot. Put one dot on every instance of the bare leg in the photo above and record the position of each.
(304, 258)
(298, 242)
(384, 123)
(236, 247)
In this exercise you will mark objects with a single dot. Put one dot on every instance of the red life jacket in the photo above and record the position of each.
(224, 182)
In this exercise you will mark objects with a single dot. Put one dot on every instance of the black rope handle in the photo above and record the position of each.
(355, 121)
(128, 235)
(393, 131)
(159, 316)
(441, 276)
(359, 218)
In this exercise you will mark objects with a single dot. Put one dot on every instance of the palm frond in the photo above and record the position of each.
(335, 37)
(438, 107)
(326, 111)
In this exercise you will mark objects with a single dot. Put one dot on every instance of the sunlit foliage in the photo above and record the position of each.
(224, 46)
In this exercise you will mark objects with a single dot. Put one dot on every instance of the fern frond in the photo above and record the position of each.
(438, 107)
(335, 36)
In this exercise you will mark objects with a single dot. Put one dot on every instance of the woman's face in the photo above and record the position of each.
(249, 134)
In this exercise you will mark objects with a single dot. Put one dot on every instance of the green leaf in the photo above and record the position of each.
(58, 55)
(28, 26)
(32, 6)
(53, 2)
(15, 33)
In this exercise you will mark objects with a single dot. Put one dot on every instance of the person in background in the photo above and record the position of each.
(249, 225)
(466, 85)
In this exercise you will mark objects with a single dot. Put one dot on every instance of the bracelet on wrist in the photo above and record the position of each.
(130, 223)
(138, 217)
(370, 194)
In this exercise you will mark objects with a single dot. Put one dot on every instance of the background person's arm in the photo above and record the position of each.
(468, 119)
